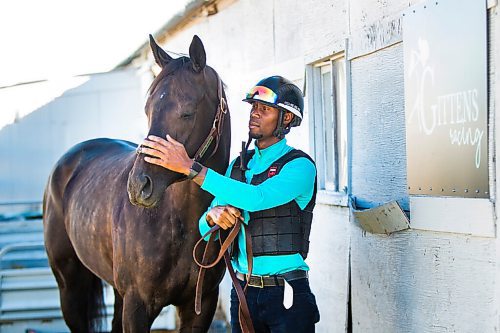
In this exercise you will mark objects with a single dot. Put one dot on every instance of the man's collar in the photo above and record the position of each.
(271, 149)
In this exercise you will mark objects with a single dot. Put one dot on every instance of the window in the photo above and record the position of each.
(328, 109)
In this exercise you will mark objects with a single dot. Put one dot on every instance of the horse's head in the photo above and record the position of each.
(182, 102)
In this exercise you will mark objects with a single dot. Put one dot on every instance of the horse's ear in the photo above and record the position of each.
(197, 54)
(161, 57)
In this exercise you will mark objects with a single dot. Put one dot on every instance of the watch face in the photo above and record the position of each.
(195, 170)
(197, 167)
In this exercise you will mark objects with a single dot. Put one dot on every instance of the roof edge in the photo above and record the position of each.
(186, 14)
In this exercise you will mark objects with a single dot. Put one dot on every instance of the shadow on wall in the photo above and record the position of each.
(99, 105)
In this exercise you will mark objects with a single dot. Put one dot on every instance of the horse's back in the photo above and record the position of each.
(79, 156)
(87, 151)
(87, 162)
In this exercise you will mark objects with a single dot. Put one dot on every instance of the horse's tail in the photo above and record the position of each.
(96, 310)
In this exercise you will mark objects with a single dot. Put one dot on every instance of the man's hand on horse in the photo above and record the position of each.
(223, 216)
(168, 153)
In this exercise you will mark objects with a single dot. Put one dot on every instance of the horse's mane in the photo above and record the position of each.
(170, 69)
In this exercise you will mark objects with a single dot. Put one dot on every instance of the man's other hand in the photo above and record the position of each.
(223, 216)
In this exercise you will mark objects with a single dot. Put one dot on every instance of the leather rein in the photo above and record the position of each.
(225, 252)
(244, 312)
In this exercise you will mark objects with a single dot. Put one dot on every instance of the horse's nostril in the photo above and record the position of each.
(147, 187)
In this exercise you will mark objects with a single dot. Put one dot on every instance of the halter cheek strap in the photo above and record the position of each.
(217, 125)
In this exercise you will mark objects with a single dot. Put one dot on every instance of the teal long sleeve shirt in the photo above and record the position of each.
(294, 182)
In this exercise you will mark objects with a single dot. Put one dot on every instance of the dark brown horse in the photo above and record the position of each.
(139, 242)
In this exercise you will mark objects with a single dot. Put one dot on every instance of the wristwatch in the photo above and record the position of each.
(195, 170)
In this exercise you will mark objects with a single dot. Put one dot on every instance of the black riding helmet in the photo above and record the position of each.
(280, 93)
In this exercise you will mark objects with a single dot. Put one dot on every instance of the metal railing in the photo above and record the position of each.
(29, 295)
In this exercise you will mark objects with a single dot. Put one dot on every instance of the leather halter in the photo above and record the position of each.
(217, 125)
(215, 131)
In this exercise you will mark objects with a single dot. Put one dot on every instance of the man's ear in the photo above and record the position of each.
(287, 119)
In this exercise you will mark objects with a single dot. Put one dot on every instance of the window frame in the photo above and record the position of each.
(328, 189)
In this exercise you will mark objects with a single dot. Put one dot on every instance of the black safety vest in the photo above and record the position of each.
(283, 229)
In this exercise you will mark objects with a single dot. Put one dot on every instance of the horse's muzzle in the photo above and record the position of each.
(140, 190)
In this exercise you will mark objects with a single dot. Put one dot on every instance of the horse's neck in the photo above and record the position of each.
(190, 201)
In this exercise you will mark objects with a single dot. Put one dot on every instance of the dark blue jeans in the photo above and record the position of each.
(270, 316)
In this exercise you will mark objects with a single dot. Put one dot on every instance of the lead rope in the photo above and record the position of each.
(243, 310)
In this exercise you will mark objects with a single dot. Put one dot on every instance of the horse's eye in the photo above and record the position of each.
(187, 115)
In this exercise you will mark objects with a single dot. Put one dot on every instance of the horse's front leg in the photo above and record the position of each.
(138, 315)
(193, 323)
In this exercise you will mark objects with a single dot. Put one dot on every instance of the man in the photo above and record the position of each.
(273, 192)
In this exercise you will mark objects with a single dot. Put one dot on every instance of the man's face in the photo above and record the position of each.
(263, 121)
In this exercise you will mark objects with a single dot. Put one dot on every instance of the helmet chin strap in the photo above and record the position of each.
(281, 130)
(243, 154)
